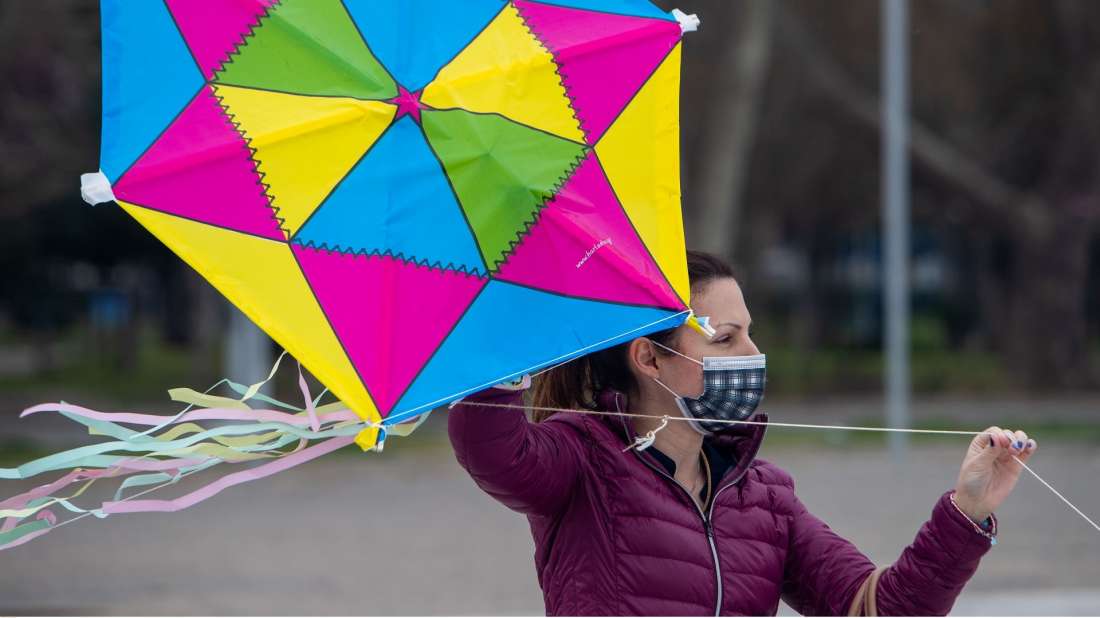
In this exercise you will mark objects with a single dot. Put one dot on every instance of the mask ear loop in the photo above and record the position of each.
(661, 345)
(641, 443)
(663, 385)
(676, 395)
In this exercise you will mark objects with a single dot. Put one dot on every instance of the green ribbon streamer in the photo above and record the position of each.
(73, 457)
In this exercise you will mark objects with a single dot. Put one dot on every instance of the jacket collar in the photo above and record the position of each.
(740, 443)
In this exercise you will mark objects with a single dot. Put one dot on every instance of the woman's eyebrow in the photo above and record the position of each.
(733, 324)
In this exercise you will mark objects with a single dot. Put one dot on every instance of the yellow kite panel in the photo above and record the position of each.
(259, 275)
(505, 70)
(641, 155)
(304, 145)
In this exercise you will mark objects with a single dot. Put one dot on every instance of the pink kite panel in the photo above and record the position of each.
(584, 245)
(603, 58)
(201, 168)
(390, 315)
(214, 29)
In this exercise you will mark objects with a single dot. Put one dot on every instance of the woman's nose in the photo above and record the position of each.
(752, 350)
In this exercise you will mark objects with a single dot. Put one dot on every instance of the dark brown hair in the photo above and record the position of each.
(577, 383)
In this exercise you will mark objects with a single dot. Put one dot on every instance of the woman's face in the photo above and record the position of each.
(722, 302)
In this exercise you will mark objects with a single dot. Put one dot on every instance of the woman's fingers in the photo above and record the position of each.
(1020, 442)
(1029, 450)
(1016, 444)
(1026, 449)
(1005, 442)
(996, 437)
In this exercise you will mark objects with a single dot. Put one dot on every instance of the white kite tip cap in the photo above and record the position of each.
(701, 323)
(95, 188)
(688, 23)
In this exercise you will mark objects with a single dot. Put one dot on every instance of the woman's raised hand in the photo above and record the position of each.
(989, 472)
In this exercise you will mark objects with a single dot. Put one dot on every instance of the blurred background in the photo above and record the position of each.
(782, 121)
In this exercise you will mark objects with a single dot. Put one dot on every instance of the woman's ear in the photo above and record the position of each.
(643, 357)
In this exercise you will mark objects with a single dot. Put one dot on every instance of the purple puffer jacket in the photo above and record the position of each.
(616, 535)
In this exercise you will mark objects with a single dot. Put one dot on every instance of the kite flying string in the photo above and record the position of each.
(791, 425)
(635, 415)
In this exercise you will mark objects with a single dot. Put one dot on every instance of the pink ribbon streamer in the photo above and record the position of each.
(122, 468)
(203, 414)
(193, 498)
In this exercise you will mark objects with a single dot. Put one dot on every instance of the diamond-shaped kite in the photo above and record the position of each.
(417, 199)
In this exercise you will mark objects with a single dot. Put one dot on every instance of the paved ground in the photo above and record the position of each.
(407, 532)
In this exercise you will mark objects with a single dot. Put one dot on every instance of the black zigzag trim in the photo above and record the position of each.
(537, 212)
(231, 119)
(236, 51)
(399, 256)
(562, 78)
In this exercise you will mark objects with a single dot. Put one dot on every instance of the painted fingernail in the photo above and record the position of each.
(991, 442)
(1031, 443)
(1019, 444)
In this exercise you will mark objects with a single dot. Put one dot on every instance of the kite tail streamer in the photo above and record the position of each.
(165, 449)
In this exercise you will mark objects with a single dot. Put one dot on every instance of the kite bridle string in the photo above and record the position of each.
(665, 419)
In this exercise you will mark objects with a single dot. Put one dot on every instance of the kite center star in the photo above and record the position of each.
(407, 103)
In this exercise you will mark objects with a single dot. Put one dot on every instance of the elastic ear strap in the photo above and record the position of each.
(661, 345)
(665, 387)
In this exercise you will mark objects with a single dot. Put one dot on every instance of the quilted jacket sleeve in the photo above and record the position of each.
(529, 467)
(824, 571)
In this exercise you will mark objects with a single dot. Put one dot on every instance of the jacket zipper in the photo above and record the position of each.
(706, 517)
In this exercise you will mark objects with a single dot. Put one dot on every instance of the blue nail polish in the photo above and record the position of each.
(1019, 445)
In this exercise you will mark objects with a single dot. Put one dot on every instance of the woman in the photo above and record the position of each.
(695, 523)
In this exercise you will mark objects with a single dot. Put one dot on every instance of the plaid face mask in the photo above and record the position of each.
(733, 387)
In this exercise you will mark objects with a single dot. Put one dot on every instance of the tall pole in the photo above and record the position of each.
(895, 219)
(248, 356)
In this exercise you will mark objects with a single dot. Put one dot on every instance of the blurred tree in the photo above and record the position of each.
(1004, 132)
(780, 149)
(730, 116)
(50, 124)
(50, 100)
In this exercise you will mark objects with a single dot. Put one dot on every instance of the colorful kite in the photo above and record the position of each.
(416, 199)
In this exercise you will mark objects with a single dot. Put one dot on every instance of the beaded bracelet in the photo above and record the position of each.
(987, 528)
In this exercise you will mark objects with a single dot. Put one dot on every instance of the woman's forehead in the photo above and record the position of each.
(721, 301)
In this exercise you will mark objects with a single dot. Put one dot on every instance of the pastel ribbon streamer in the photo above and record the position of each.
(173, 447)
(26, 532)
(60, 460)
(204, 414)
(193, 498)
